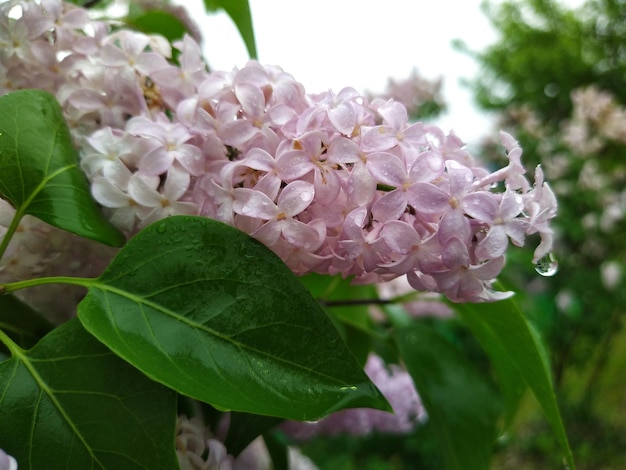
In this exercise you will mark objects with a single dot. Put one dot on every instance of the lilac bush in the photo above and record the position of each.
(341, 184)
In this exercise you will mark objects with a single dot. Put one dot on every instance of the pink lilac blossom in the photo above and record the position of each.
(334, 183)
(397, 386)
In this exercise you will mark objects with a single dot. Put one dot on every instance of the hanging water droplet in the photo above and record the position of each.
(547, 266)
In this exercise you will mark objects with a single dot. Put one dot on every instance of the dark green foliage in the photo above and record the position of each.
(545, 53)
(21, 323)
(39, 169)
(71, 403)
(417, 450)
(245, 334)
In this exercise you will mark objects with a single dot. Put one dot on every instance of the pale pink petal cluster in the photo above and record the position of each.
(333, 183)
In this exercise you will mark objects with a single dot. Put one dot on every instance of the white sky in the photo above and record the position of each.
(331, 44)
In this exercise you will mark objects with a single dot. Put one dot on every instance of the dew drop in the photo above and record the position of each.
(161, 228)
(547, 266)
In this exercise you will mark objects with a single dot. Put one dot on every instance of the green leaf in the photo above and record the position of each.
(21, 323)
(352, 319)
(461, 406)
(516, 351)
(212, 313)
(278, 450)
(71, 403)
(512, 384)
(39, 171)
(157, 22)
(239, 11)
(244, 428)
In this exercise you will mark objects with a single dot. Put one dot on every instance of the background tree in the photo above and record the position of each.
(556, 78)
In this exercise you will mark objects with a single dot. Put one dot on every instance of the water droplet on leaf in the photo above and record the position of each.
(547, 266)
(162, 228)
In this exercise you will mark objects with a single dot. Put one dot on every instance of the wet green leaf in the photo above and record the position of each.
(461, 406)
(39, 171)
(71, 403)
(517, 352)
(212, 313)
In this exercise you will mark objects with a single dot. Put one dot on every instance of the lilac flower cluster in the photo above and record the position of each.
(333, 183)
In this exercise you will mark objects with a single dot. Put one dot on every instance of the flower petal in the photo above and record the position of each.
(252, 203)
(296, 197)
(387, 169)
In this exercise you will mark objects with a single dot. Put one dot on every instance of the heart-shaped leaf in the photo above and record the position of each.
(517, 353)
(461, 406)
(39, 171)
(71, 403)
(214, 314)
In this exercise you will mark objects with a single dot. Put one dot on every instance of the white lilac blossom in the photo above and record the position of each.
(397, 386)
(7, 462)
(333, 183)
(198, 449)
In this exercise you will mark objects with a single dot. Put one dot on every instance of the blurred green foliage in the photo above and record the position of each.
(546, 50)
(556, 77)
(545, 54)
